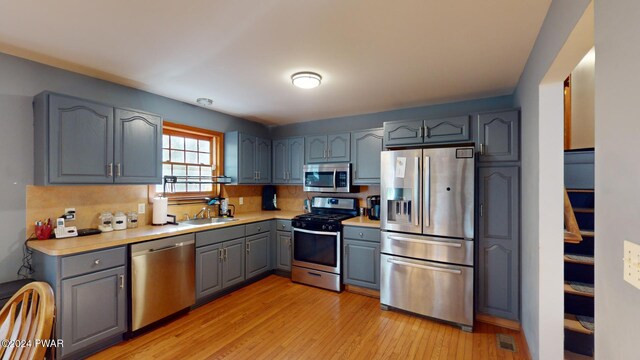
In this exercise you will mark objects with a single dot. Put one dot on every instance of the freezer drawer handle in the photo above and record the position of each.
(429, 242)
(425, 267)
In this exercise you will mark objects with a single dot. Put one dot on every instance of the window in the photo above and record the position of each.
(193, 152)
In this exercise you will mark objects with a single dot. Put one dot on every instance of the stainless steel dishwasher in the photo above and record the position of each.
(162, 278)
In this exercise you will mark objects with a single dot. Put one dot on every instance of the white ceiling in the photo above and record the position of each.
(374, 55)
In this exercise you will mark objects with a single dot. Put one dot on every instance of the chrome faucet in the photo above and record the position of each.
(200, 213)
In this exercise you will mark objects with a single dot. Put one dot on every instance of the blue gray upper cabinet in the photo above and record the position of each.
(78, 141)
(247, 158)
(499, 136)
(365, 153)
(280, 161)
(413, 132)
(328, 148)
(138, 147)
(263, 161)
(288, 160)
(73, 141)
(499, 241)
(453, 129)
(403, 132)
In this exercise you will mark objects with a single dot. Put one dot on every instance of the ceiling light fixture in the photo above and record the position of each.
(204, 101)
(306, 79)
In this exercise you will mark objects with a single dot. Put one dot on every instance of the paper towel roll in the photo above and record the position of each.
(160, 210)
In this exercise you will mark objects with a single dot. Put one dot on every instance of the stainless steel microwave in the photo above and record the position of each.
(334, 178)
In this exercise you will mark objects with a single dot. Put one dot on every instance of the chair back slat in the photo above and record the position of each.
(27, 316)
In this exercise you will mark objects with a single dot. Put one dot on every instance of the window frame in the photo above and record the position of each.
(216, 152)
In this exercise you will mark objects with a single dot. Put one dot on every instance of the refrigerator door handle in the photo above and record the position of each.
(428, 242)
(427, 191)
(416, 200)
(424, 267)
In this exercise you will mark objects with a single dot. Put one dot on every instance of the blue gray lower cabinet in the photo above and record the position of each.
(90, 295)
(208, 270)
(499, 241)
(93, 308)
(283, 250)
(227, 257)
(362, 257)
(257, 260)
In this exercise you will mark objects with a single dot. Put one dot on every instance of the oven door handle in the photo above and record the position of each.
(335, 178)
(317, 232)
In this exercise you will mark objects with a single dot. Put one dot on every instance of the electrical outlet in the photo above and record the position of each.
(632, 263)
(241, 201)
(71, 214)
(141, 208)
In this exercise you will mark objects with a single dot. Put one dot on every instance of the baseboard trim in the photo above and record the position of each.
(509, 324)
(362, 291)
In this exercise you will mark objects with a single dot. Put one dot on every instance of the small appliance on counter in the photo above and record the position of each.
(106, 222)
(119, 221)
(269, 200)
(63, 231)
(373, 207)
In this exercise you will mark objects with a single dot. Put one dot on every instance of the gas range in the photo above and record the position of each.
(326, 222)
(317, 242)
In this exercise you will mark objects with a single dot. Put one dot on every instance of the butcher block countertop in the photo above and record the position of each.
(363, 221)
(74, 245)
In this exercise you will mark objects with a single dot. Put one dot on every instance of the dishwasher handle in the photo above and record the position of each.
(163, 248)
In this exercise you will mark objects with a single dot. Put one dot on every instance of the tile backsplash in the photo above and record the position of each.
(44, 202)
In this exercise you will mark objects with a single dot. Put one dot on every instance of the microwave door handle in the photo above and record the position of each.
(416, 186)
(335, 178)
(427, 191)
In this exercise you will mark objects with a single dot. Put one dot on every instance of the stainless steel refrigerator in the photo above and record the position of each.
(427, 221)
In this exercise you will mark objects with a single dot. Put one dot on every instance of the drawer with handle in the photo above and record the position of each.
(259, 227)
(362, 233)
(283, 225)
(93, 261)
(428, 247)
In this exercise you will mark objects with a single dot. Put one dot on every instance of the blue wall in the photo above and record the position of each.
(375, 120)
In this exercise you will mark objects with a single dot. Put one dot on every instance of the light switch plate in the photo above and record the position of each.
(141, 208)
(632, 263)
(241, 200)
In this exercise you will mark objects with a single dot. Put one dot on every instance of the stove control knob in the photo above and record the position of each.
(324, 227)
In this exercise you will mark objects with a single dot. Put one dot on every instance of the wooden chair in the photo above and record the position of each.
(28, 317)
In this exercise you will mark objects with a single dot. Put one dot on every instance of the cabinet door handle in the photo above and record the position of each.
(248, 247)
(329, 151)
(118, 169)
(361, 234)
(481, 210)
(481, 149)
(110, 170)
(226, 252)
(422, 132)
(121, 281)
(220, 255)
(97, 262)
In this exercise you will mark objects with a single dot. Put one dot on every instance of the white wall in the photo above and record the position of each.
(617, 163)
(583, 103)
(536, 319)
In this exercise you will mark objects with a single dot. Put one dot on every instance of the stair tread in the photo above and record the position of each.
(589, 233)
(580, 190)
(579, 259)
(583, 210)
(570, 290)
(571, 238)
(572, 323)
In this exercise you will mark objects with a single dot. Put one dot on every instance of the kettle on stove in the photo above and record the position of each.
(373, 207)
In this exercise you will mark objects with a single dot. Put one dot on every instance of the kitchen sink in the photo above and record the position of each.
(212, 221)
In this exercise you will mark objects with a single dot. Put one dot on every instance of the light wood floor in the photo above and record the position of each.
(277, 319)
